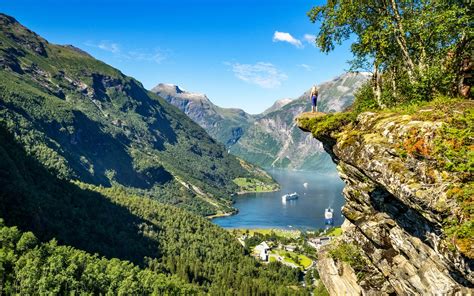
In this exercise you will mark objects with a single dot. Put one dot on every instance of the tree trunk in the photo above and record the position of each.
(377, 88)
(393, 76)
(463, 67)
(422, 61)
(400, 37)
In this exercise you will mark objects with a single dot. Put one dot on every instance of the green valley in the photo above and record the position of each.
(51, 228)
(87, 121)
(253, 185)
(97, 176)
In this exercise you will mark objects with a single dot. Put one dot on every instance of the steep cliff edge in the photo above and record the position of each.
(409, 196)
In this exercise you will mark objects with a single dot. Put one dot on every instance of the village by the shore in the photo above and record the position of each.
(294, 248)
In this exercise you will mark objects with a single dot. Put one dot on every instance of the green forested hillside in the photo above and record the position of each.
(85, 153)
(87, 121)
(29, 267)
(171, 249)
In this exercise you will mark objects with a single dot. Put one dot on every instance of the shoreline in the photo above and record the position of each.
(236, 211)
(291, 233)
(220, 215)
(263, 191)
(263, 229)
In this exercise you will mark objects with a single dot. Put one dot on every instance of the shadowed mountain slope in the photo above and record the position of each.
(87, 121)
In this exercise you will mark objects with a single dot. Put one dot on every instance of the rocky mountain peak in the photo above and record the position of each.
(277, 105)
(6, 20)
(226, 125)
(13, 30)
(167, 90)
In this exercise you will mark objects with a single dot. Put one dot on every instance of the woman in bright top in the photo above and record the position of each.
(314, 99)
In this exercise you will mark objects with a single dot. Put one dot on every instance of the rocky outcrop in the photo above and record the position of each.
(22, 36)
(397, 203)
(339, 280)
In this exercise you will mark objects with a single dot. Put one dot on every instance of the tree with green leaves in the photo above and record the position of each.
(416, 48)
(308, 278)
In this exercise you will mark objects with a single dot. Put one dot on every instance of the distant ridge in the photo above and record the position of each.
(277, 105)
(269, 139)
(226, 125)
(172, 90)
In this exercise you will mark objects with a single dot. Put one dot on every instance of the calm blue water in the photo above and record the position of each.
(266, 210)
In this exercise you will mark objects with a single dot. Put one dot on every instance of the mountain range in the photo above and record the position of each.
(270, 139)
(226, 125)
(88, 159)
(87, 121)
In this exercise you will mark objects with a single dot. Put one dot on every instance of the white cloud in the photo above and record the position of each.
(105, 45)
(310, 39)
(112, 47)
(156, 55)
(265, 75)
(306, 67)
(286, 37)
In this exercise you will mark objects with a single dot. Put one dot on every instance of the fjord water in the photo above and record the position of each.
(266, 210)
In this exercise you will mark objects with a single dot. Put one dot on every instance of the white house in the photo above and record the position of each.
(262, 249)
(319, 241)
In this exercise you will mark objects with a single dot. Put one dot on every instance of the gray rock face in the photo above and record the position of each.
(338, 280)
(277, 105)
(395, 206)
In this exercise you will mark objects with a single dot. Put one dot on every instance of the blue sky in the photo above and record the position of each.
(244, 53)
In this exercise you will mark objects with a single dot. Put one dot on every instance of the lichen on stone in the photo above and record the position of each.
(409, 192)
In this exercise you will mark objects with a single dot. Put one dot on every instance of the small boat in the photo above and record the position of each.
(328, 213)
(290, 196)
(305, 185)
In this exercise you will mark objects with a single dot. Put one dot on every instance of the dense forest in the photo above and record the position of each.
(29, 267)
(141, 245)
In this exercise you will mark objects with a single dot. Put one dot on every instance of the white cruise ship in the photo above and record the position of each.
(290, 196)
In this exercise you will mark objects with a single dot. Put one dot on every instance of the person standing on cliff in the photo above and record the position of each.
(314, 99)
